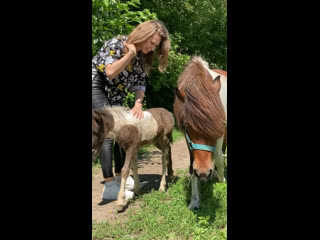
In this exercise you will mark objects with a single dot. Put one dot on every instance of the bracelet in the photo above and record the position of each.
(139, 101)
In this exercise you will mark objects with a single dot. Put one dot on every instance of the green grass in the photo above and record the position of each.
(176, 134)
(164, 215)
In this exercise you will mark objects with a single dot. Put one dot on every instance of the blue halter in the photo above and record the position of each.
(193, 146)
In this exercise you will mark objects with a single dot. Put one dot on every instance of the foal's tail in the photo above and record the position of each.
(170, 169)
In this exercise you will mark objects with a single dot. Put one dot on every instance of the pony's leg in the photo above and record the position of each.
(195, 200)
(191, 160)
(164, 169)
(135, 175)
(219, 160)
(220, 166)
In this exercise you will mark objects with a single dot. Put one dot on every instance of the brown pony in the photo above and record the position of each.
(200, 107)
(119, 124)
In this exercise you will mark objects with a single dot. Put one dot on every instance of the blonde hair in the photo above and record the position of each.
(146, 30)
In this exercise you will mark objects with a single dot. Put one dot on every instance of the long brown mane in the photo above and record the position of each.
(202, 109)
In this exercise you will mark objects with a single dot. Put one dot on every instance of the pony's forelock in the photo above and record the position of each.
(203, 110)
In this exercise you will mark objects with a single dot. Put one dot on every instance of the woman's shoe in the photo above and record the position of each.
(129, 183)
(111, 191)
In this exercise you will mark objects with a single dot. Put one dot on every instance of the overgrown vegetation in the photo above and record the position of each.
(164, 215)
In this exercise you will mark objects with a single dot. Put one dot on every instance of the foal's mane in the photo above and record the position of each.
(202, 109)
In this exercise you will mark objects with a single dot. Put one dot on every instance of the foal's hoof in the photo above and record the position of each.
(162, 187)
(136, 192)
(172, 177)
(121, 206)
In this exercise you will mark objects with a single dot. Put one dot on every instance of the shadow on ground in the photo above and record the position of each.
(147, 157)
(148, 181)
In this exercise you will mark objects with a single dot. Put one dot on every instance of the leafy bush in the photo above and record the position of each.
(130, 100)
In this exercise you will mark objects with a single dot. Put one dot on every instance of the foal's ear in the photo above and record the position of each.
(97, 116)
(217, 83)
(180, 94)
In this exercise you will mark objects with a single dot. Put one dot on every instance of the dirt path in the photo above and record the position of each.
(149, 169)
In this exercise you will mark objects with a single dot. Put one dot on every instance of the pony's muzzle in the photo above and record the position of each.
(204, 177)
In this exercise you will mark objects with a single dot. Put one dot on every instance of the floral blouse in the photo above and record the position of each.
(132, 78)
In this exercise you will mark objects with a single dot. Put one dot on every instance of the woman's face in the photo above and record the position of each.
(151, 43)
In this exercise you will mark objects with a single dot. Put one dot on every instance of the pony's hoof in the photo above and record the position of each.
(222, 180)
(193, 205)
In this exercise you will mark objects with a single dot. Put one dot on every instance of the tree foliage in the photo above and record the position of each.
(202, 26)
(195, 27)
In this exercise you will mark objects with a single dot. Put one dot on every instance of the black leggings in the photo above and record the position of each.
(99, 99)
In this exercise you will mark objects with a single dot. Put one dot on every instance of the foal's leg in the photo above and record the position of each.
(130, 154)
(170, 169)
(165, 152)
(128, 139)
(135, 175)
(195, 200)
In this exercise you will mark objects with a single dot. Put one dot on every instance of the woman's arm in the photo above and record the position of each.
(137, 109)
(139, 94)
(116, 67)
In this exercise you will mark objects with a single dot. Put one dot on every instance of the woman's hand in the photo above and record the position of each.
(137, 110)
(114, 69)
(131, 47)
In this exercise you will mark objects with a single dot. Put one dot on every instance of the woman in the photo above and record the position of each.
(123, 63)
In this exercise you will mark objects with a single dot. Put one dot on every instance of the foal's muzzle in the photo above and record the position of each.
(94, 154)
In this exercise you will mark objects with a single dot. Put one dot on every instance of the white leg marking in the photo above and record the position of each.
(121, 196)
(135, 176)
(164, 170)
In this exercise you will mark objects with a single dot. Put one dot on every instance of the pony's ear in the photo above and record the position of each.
(217, 83)
(180, 94)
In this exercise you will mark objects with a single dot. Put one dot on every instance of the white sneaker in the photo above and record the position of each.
(129, 183)
(111, 191)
